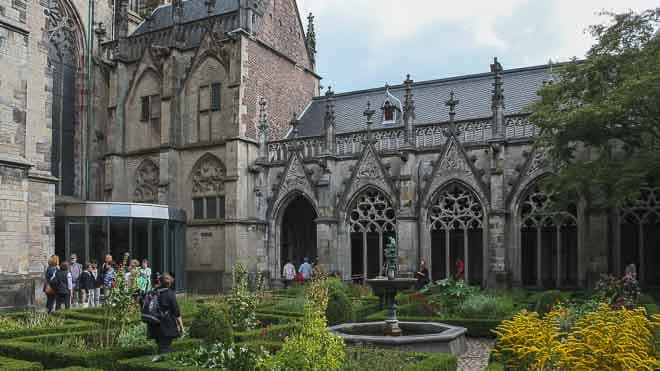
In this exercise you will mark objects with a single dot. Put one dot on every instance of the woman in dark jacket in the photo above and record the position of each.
(63, 286)
(171, 324)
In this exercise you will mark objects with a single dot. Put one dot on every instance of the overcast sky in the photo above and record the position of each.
(367, 43)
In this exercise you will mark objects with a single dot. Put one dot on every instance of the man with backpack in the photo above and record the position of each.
(160, 311)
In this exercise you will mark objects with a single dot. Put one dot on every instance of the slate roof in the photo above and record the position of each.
(473, 91)
(193, 10)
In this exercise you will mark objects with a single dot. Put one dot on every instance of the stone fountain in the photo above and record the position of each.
(409, 336)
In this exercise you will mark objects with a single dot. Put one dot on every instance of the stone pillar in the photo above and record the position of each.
(326, 244)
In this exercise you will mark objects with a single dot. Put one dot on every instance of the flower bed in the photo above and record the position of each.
(10, 364)
(40, 348)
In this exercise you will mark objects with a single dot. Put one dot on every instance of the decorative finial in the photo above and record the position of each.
(369, 113)
(310, 37)
(452, 103)
(329, 92)
(498, 92)
(210, 5)
(294, 124)
(263, 116)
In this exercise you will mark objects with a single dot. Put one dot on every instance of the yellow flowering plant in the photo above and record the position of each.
(605, 339)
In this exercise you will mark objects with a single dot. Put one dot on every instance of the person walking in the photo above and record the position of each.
(305, 269)
(49, 289)
(87, 285)
(288, 273)
(171, 323)
(75, 269)
(63, 287)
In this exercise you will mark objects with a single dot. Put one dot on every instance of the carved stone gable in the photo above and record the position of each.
(369, 167)
(537, 162)
(146, 182)
(295, 177)
(208, 176)
(453, 159)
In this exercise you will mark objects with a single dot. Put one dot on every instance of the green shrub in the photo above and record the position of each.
(235, 357)
(435, 362)
(9, 364)
(295, 305)
(340, 308)
(494, 366)
(133, 335)
(484, 306)
(448, 294)
(76, 368)
(546, 300)
(272, 333)
(212, 324)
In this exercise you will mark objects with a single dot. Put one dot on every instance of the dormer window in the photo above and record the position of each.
(388, 112)
(391, 108)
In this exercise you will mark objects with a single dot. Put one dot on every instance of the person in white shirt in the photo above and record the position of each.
(288, 273)
(306, 269)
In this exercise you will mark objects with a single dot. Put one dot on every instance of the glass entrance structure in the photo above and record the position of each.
(153, 232)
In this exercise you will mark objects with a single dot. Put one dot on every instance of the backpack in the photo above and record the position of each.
(151, 312)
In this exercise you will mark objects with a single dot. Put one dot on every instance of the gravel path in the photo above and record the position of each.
(476, 357)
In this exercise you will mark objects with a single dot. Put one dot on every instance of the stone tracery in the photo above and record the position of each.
(147, 179)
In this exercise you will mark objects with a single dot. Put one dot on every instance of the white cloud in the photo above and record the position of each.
(388, 20)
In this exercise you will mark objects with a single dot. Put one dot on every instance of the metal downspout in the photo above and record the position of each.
(90, 92)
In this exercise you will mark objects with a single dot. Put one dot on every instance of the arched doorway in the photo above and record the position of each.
(639, 236)
(372, 220)
(298, 237)
(548, 241)
(456, 219)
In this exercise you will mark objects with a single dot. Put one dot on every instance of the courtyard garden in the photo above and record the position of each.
(612, 327)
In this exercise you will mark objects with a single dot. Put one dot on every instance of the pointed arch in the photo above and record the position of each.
(67, 50)
(368, 172)
(453, 165)
(549, 241)
(206, 93)
(147, 179)
(293, 178)
(140, 75)
(534, 167)
(294, 229)
(207, 179)
(454, 220)
(636, 236)
(371, 219)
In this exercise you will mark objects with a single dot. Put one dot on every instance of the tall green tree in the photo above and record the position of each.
(600, 119)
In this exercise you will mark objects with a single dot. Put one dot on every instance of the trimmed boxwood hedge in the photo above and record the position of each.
(268, 310)
(475, 327)
(494, 366)
(145, 363)
(29, 348)
(10, 364)
(77, 368)
(68, 326)
(272, 333)
(274, 319)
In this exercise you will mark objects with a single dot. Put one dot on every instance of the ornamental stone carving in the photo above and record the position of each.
(369, 168)
(208, 176)
(456, 207)
(452, 160)
(147, 178)
(295, 177)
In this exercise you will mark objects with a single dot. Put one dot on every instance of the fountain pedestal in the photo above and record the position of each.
(387, 289)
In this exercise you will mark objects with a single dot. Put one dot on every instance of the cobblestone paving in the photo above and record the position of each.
(476, 357)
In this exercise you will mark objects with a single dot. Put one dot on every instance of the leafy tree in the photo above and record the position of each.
(600, 119)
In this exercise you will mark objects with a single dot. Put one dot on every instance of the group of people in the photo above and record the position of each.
(69, 283)
(303, 273)
(424, 278)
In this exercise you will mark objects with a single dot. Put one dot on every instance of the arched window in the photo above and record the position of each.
(456, 217)
(62, 59)
(371, 220)
(208, 177)
(639, 235)
(549, 242)
(146, 182)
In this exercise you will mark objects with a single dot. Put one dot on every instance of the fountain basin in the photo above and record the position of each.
(429, 337)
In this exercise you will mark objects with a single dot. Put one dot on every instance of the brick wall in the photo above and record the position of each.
(287, 87)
